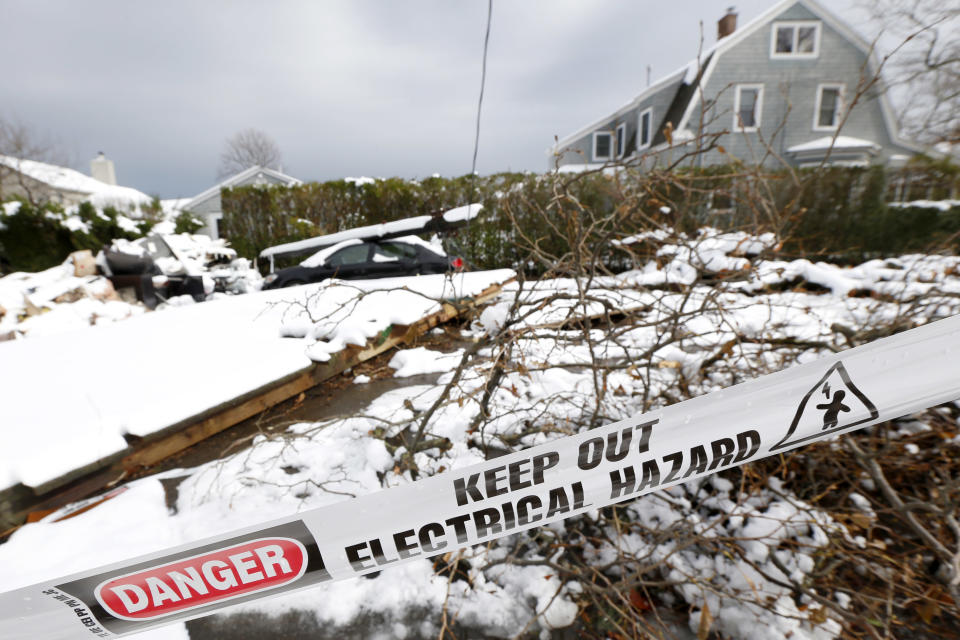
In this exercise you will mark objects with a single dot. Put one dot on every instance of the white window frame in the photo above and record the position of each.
(640, 144)
(736, 107)
(796, 25)
(597, 134)
(620, 138)
(838, 115)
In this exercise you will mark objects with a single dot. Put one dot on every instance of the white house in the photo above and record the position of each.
(208, 208)
(42, 182)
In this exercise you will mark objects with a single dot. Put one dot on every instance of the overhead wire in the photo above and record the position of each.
(476, 134)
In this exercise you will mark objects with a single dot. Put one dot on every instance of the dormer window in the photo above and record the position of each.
(621, 140)
(602, 145)
(795, 40)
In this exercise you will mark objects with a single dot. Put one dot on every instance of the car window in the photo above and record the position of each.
(155, 247)
(354, 254)
(397, 250)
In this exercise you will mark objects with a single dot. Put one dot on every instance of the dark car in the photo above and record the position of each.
(362, 259)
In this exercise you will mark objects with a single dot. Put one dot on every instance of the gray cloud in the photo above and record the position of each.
(345, 87)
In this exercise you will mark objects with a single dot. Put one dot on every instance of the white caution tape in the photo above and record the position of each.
(886, 379)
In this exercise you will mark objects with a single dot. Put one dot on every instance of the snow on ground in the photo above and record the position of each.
(699, 337)
(196, 356)
(942, 205)
(412, 362)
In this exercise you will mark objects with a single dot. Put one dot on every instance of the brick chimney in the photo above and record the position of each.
(727, 24)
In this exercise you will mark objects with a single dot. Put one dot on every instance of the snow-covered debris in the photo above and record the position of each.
(57, 301)
(194, 255)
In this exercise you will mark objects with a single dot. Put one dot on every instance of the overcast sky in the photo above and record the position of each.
(346, 88)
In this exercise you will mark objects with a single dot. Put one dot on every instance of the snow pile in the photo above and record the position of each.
(55, 301)
(683, 259)
(747, 596)
(941, 205)
(412, 362)
(906, 277)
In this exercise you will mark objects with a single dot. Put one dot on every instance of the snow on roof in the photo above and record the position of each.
(844, 143)
(100, 194)
(173, 206)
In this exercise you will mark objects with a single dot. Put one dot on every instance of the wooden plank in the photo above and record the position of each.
(153, 452)
(17, 501)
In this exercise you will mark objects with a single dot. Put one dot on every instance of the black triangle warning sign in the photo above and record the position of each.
(833, 404)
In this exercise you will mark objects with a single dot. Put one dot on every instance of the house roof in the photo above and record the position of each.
(100, 194)
(697, 72)
(237, 179)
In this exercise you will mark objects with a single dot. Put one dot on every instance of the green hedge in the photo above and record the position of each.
(255, 218)
(838, 212)
(36, 237)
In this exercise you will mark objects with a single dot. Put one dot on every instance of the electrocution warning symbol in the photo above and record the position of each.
(833, 404)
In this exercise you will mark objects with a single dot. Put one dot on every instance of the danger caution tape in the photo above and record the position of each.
(886, 379)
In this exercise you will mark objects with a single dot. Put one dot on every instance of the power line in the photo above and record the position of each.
(476, 135)
(483, 82)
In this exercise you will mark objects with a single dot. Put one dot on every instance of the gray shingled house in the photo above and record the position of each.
(781, 89)
(207, 207)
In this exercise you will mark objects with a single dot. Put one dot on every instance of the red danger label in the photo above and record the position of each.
(204, 579)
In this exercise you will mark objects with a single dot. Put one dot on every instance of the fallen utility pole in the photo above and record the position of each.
(442, 223)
